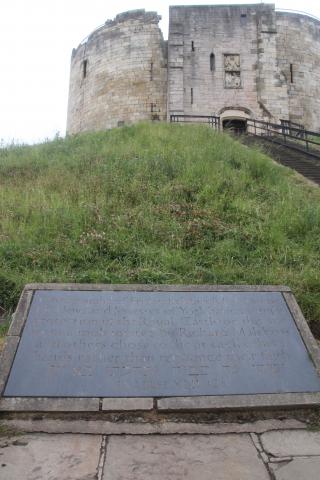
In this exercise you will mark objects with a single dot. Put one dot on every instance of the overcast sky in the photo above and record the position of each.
(36, 40)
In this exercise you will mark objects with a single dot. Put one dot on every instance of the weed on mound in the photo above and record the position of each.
(156, 203)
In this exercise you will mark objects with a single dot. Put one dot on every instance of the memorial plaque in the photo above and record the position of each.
(160, 344)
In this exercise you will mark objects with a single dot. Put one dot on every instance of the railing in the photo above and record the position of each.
(210, 120)
(93, 31)
(288, 125)
(287, 134)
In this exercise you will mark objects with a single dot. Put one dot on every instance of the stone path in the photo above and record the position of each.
(276, 455)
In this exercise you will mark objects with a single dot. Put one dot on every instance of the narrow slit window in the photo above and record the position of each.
(191, 96)
(192, 46)
(84, 68)
(291, 73)
(243, 19)
(151, 71)
(212, 62)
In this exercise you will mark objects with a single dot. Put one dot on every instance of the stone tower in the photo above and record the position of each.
(119, 74)
(233, 61)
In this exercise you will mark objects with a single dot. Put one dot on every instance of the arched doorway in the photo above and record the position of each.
(234, 119)
(236, 126)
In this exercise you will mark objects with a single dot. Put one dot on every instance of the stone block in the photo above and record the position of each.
(291, 443)
(40, 457)
(40, 404)
(6, 359)
(177, 457)
(128, 404)
(231, 402)
(307, 468)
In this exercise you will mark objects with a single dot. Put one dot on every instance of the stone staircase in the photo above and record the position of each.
(300, 161)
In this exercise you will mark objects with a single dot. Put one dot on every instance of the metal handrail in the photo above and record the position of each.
(290, 123)
(93, 31)
(212, 120)
(272, 131)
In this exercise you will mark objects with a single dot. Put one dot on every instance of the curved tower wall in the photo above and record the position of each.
(298, 52)
(119, 75)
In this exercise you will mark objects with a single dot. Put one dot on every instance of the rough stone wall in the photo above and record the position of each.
(272, 89)
(298, 44)
(119, 75)
(237, 37)
(237, 60)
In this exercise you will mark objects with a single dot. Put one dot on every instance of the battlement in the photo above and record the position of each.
(140, 14)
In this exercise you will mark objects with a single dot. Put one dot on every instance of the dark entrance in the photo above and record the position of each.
(235, 126)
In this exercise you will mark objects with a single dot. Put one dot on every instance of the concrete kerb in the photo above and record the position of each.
(156, 288)
(6, 360)
(33, 404)
(20, 316)
(238, 402)
(126, 427)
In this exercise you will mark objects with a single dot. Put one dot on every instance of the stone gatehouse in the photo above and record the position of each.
(236, 62)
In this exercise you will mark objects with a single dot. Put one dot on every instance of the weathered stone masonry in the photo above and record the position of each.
(119, 74)
(237, 61)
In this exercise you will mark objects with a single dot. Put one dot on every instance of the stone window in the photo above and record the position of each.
(191, 99)
(243, 19)
(212, 62)
(291, 73)
(151, 71)
(232, 71)
(192, 46)
(84, 68)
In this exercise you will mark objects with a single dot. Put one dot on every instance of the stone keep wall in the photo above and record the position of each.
(119, 75)
(224, 58)
(272, 88)
(237, 61)
(298, 45)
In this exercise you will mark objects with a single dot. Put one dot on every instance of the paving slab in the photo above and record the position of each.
(298, 469)
(181, 457)
(32, 404)
(49, 457)
(120, 404)
(291, 443)
(238, 402)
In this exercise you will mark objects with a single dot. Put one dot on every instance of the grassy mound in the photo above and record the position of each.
(156, 204)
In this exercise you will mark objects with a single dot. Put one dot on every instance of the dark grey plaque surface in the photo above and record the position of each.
(155, 344)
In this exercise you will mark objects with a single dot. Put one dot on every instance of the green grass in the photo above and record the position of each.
(4, 327)
(156, 204)
(301, 142)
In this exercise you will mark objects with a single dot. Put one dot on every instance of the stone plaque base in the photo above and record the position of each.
(163, 348)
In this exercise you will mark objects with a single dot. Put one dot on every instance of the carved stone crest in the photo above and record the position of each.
(232, 71)
(232, 80)
(232, 63)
